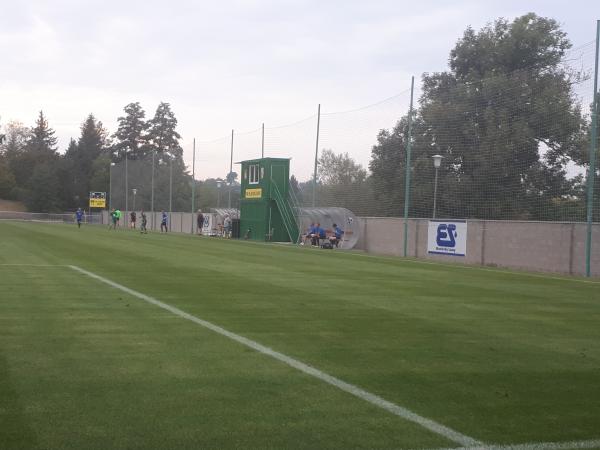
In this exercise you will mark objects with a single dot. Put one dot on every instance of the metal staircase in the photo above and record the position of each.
(287, 214)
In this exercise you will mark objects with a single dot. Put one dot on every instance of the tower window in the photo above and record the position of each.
(254, 174)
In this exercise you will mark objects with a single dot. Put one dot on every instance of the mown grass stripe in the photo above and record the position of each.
(400, 411)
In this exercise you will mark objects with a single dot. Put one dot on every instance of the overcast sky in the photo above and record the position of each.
(235, 64)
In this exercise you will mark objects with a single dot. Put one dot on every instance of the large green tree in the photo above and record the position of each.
(130, 136)
(388, 169)
(39, 169)
(506, 121)
(11, 155)
(41, 140)
(80, 159)
(44, 190)
(7, 180)
(342, 182)
(162, 136)
(27, 148)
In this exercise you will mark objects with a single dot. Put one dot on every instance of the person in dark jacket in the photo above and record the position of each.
(200, 221)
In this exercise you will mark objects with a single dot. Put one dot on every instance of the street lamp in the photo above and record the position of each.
(134, 190)
(112, 164)
(437, 162)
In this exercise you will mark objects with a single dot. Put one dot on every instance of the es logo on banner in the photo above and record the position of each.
(447, 237)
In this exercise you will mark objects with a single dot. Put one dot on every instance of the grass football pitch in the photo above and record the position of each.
(106, 342)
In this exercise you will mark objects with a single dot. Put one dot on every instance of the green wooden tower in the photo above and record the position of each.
(265, 209)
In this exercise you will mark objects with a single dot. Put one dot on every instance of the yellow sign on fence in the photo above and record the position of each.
(97, 199)
(254, 193)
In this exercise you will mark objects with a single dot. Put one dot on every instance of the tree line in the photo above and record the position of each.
(505, 117)
(34, 172)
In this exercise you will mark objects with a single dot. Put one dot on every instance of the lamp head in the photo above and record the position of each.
(437, 161)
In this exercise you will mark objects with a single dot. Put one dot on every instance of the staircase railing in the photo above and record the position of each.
(287, 214)
(296, 209)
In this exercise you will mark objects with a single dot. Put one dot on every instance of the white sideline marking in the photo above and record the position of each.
(571, 445)
(400, 411)
(33, 265)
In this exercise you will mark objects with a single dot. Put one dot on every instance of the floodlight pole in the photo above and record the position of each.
(229, 180)
(592, 168)
(152, 190)
(435, 193)
(408, 150)
(171, 191)
(126, 187)
(314, 193)
(218, 194)
(110, 185)
(193, 183)
(437, 161)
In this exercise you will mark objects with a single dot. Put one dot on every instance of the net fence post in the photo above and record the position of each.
(592, 168)
(126, 188)
(407, 176)
(229, 180)
(193, 183)
(314, 192)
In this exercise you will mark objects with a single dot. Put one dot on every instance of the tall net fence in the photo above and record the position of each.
(133, 187)
(511, 146)
(95, 218)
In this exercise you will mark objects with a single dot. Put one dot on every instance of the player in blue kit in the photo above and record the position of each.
(79, 217)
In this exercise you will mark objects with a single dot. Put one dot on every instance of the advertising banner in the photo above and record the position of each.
(446, 237)
(97, 199)
(253, 193)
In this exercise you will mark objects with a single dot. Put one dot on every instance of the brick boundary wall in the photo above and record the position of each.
(557, 247)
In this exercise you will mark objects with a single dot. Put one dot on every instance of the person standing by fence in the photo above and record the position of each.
(200, 221)
(163, 222)
(227, 226)
(143, 229)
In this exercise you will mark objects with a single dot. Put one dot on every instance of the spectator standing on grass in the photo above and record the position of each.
(79, 217)
(143, 228)
(200, 221)
(133, 217)
(227, 226)
(118, 216)
(163, 222)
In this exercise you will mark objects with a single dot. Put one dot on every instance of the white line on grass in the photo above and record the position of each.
(32, 265)
(571, 445)
(400, 411)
